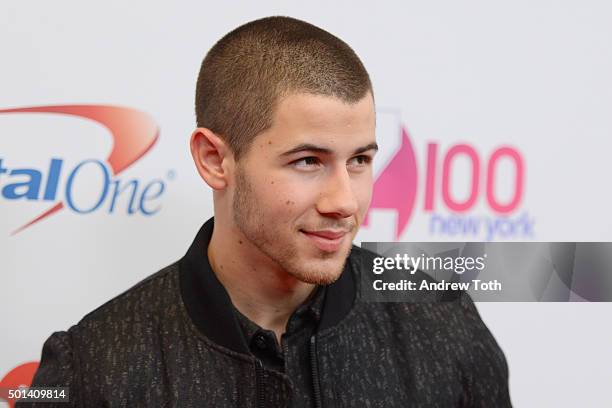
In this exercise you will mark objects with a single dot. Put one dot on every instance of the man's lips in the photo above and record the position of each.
(326, 240)
(329, 234)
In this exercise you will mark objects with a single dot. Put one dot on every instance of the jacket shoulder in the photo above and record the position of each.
(147, 298)
(101, 345)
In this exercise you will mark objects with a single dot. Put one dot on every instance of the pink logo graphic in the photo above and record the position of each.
(397, 185)
(133, 134)
(18, 377)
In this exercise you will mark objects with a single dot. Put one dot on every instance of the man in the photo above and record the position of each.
(265, 309)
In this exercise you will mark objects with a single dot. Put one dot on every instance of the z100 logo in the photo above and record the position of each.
(133, 134)
(397, 185)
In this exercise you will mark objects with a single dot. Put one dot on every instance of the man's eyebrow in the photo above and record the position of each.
(371, 146)
(308, 147)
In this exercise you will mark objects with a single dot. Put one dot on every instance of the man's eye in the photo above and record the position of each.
(361, 160)
(305, 162)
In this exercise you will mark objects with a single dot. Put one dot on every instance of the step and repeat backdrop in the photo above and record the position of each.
(494, 122)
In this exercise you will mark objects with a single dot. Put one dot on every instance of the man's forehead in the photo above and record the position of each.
(319, 111)
(321, 122)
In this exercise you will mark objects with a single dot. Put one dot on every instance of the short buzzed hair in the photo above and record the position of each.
(246, 72)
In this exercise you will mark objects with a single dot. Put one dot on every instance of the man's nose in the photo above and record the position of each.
(337, 197)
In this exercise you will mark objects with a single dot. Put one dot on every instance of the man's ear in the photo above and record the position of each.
(209, 153)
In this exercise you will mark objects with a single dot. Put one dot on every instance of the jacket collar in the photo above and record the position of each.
(209, 306)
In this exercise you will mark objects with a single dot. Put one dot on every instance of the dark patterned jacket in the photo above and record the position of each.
(173, 340)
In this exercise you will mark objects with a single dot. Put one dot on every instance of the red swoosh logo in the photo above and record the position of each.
(396, 186)
(133, 133)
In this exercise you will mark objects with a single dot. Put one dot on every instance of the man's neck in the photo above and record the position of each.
(257, 286)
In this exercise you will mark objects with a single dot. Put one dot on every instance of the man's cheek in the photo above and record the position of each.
(364, 198)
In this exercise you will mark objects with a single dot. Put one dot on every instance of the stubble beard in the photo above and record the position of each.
(250, 219)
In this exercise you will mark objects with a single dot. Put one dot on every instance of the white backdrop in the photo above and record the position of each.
(531, 75)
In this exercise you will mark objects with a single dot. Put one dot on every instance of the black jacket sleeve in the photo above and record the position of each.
(486, 382)
(57, 369)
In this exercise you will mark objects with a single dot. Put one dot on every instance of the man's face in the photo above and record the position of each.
(304, 186)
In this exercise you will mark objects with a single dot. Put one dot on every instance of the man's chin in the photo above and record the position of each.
(318, 279)
(320, 272)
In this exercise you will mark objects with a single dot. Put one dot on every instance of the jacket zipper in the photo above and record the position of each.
(261, 401)
(315, 372)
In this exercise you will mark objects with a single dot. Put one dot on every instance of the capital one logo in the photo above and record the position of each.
(133, 134)
(397, 185)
